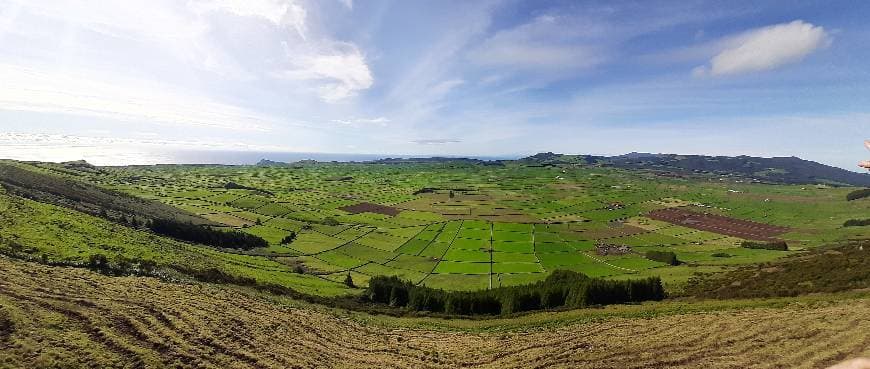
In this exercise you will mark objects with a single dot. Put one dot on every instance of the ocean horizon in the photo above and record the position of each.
(114, 156)
(253, 157)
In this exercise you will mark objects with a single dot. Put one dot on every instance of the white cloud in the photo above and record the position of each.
(33, 89)
(278, 12)
(155, 27)
(382, 121)
(436, 141)
(194, 35)
(766, 48)
(116, 150)
(334, 70)
(340, 71)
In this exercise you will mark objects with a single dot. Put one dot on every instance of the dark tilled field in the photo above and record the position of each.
(719, 224)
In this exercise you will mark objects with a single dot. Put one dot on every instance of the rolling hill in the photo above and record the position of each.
(788, 170)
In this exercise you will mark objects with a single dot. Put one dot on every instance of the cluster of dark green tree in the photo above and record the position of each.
(667, 257)
(856, 223)
(120, 265)
(289, 238)
(206, 236)
(858, 194)
(561, 289)
(773, 245)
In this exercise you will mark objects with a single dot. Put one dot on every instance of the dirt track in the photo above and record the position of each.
(55, 315)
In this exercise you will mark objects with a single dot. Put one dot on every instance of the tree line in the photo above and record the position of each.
(206, 236)
(561, 289)
(773, 245)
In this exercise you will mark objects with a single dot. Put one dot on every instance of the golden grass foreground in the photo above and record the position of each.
(53, 317)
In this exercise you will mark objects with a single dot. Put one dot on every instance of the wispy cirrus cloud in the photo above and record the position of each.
(381, 121)
(436, 141)
(279, 12)
(533, 46)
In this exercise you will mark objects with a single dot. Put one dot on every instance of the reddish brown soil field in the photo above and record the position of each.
(719, 224)
(367, 207)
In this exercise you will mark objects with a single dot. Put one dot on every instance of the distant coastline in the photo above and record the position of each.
(252, 157)
(114, 156)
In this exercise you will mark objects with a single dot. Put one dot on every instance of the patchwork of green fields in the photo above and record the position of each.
(480, 226)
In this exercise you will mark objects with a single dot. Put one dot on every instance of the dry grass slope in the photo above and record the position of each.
(70, 318)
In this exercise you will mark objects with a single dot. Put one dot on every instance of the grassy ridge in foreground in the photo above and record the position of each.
(33, 182)
(64, 235)
(87, 319)
(839, 268)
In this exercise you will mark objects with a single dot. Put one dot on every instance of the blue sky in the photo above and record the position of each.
(109, 81)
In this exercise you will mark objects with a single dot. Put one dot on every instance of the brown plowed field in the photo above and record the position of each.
(367, 207)
(71, 318)
(719, 224)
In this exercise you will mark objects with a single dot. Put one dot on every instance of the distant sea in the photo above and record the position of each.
(252, 157)
(125, 155)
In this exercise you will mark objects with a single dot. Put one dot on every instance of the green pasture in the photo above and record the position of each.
(503, 225)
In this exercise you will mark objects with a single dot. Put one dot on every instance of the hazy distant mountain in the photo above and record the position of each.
(778, 169)
(271, 163)
(435, 159)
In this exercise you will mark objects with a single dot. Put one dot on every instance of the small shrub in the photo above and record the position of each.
(858, 194)
(288, 239)
(666, 257)
(856, 223)
(147, 266)
(98, 262)
(7, 325)
(348, 281)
